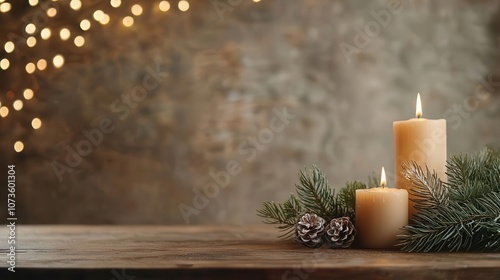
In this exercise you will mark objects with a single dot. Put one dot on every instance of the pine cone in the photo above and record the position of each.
(310, 230)
(340, 233)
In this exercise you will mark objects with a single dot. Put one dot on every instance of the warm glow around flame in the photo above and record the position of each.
(419, 106)
(383, 180)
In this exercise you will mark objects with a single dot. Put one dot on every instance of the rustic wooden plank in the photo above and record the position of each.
(221, 249)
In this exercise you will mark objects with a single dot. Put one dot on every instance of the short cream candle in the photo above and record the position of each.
(420, 140)
(380, 215)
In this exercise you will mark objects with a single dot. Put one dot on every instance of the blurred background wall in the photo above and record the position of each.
(135, 120)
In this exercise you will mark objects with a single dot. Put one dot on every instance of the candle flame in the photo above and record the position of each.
(419, 106)
(383, 180)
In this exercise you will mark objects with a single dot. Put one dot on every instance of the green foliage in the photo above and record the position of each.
(429, 192)
(462, 214)
(457, 227)
(314, 195)
(347, 198)
(284, 215)
(470, 178)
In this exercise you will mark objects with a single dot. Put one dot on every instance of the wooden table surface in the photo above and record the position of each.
(204, 252)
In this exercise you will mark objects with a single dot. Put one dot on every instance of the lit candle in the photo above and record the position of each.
(380, 215)
(420, 140)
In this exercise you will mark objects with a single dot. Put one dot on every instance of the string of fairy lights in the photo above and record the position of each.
(35, 32)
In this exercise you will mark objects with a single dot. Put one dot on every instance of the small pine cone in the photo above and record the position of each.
(309, 230)
(340, 233)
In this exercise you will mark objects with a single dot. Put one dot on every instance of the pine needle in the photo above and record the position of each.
(347, 197)
(460, 215)
(314, 195)
(284, 215)
(429, 191)
(456, 227)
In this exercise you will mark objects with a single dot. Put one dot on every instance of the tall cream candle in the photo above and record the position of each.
(380, 215)
(420, 140)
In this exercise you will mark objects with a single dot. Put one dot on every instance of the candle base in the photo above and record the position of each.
(380, 215)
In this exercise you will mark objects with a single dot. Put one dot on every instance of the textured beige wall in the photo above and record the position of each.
(229, 75)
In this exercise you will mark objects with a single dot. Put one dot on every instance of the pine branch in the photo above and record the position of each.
(315, 194)
(471, 177)
(284, 215)
(429, 191)
(347, 198)
(460, 215)
(457, 226)
(489, 233)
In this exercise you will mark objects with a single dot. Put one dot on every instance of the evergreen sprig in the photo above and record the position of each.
(462, 214)
(470, 178)
(457, 227)
(285, 214)
(314, 195)
(429, 192)
(347, 198)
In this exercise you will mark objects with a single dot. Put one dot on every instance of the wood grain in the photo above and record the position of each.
(225, 251)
